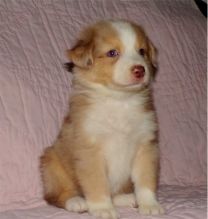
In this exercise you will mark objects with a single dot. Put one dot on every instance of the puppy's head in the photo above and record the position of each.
(116, 54)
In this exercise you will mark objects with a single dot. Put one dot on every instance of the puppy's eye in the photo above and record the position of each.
(142, 52)
(112, 53)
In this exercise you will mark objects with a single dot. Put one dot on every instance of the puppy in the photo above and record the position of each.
(106, 154)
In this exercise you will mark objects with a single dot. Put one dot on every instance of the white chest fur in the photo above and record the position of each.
(119, 126)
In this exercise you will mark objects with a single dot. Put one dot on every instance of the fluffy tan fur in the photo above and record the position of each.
(78, 164)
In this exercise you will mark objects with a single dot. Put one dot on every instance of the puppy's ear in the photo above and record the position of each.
(152, 54)
(82, 53)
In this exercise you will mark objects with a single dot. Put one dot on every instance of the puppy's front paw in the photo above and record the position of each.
(148, 204)
(125, 200)
(105, 213)
(76, 204)
(102, 210)
(152, 209)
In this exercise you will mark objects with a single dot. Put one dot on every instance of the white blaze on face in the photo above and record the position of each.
(129, 57)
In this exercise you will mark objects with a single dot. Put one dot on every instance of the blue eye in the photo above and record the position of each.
(112, 53)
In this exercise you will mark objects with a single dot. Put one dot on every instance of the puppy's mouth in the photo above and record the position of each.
(135, 82)
(135, 86)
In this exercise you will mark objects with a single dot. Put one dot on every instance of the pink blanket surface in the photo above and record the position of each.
(35, 89)
(179, 202)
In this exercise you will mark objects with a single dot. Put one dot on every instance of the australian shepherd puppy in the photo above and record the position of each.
(106, 154)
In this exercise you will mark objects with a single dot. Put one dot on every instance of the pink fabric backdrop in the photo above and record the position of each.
(34, 87)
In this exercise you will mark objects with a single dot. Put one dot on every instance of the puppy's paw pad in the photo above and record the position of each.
(155, 209)
(125, 200)
(76, 204)
(105, 213)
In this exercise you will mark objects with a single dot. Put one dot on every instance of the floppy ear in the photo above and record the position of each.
(152, 54)
(81, 54)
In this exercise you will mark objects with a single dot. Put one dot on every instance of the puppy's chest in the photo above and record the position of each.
(118, 127)
(113, 120)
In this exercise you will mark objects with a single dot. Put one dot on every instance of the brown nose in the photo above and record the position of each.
(138, 71)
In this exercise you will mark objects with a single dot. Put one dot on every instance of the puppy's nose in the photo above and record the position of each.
(138, 71)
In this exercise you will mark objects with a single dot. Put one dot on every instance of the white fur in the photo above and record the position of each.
(76, 204)
(118, 124)
(147, 202)
(129, 57)
(126, 34)
(103, 209)
(125, 200)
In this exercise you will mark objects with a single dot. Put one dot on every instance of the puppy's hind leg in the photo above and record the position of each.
(59, 185)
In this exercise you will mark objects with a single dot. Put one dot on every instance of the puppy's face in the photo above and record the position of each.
(116, 54)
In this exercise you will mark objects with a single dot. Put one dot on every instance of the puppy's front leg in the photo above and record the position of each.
(144, 176)
(91, 172)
